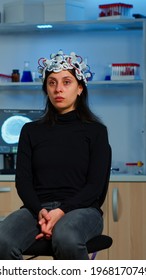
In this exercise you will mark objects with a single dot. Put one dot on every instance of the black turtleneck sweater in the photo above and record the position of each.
(66, 162)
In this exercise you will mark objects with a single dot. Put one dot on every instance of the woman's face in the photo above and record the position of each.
(63, 89)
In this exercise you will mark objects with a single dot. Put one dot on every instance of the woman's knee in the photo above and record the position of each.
(65, 237)
(68, 244)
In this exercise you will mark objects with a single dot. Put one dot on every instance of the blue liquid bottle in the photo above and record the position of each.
(26, 75)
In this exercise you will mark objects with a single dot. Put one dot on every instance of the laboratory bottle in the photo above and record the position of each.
(15, 75)
(26, 75)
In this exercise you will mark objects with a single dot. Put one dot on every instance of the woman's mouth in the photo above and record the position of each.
(59, 99)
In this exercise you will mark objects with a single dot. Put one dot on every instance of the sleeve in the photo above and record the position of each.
(24, 177)
(97, 173)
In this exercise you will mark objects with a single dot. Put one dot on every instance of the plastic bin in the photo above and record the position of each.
(125, 71)
(115, 10)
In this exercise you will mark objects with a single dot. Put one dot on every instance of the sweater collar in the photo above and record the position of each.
(67, 117)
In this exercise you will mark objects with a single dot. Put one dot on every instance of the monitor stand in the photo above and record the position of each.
(9, 163)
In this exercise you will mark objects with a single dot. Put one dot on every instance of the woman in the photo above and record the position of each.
(62, 164)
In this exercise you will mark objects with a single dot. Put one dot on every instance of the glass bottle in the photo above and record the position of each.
(26, 75)
(15, 75)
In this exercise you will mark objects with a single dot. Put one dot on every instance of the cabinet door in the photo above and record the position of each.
(9, 199)
(127, 220)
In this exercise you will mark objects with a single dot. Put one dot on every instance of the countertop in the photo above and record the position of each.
(113, 178)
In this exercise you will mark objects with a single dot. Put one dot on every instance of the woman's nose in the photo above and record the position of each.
(58, 87)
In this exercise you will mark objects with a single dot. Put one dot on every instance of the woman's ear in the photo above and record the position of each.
(80, 89)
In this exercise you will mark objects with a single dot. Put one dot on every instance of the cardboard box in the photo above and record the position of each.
(23, 11)
(62, 10)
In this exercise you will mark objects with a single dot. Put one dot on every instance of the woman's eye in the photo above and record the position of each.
(67, 82)
(51, 83)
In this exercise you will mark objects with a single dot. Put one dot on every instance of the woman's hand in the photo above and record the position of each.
(47, 220)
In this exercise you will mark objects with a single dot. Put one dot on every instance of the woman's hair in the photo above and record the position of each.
(81, 106)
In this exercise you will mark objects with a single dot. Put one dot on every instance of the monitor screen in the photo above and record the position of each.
(11, 122)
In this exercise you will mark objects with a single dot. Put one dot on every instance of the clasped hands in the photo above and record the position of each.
(47, 220)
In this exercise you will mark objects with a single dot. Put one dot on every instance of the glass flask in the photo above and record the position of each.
(26, 75)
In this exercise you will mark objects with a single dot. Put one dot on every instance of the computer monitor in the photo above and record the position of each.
(11, 123)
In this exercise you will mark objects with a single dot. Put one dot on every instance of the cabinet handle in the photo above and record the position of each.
(115, 204)
(5, 189)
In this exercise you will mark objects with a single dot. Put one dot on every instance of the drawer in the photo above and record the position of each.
(9, 199)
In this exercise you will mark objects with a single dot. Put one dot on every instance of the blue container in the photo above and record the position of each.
(26, 75)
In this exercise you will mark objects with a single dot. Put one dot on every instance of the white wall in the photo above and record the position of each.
(119, 108)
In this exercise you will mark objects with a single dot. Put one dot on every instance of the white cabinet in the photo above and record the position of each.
(124, 220)
(127, 220)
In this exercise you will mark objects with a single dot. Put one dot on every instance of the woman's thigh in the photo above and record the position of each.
(18, 230)
(73, 230)
(88, 222)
